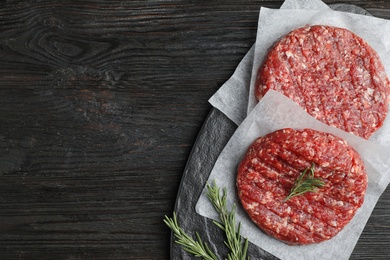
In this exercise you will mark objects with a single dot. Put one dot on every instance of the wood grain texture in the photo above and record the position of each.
(100, 104)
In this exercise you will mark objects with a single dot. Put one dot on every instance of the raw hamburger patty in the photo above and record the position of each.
(275, 161)
(333, 74)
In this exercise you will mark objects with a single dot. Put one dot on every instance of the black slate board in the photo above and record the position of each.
(212, 138)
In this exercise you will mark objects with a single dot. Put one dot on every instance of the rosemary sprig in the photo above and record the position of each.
(197, 248)
(305, 184)
(238, 247)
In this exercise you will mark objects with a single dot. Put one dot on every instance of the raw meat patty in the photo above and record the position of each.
(275, 161)
(333, 74)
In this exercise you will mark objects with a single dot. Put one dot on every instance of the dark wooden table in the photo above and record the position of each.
(100, 105)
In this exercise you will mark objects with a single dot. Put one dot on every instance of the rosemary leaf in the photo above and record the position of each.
(238, 247)
(196, 247)
(305, 183)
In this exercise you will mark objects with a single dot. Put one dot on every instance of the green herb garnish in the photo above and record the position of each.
(197, 248)
(305, 183)
(238, 247)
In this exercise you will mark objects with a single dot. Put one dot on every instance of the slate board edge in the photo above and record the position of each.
(212, 138)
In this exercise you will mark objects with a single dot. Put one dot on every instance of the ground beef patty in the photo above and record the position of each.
(333, 74)
(275, 161)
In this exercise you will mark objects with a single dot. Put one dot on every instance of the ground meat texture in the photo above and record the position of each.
(333, 74)
(269, 170)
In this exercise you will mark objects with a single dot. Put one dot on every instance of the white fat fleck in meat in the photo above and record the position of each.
(299, 79)
(255, 161)
(319, 231)
(378, 97)
(310, 149)
(376, 78)
(346, 114)
(325, 164)
(282, 226)
(310, 225)
(269, 219)
(289, 54)
(252, 205)
(284, 222)
(319, 38)
(266, 198)
(310, 209)
(343, 142)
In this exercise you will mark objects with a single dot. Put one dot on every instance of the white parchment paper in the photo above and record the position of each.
(275, 111)
(232, 97)
(304, 4)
